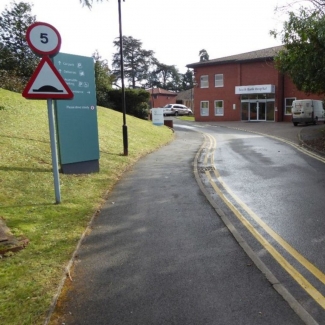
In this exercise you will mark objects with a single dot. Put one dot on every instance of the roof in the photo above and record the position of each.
(185, 94)
(264, 54)
(161, 91)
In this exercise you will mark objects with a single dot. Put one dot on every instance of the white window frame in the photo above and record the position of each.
(218, 82)
(219, 110)
(204, 81)
(204, 108)
(288, 105)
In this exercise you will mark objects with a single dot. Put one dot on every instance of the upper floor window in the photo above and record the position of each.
(204, 81)
(218, 108)
(288, 105)
(218, 80)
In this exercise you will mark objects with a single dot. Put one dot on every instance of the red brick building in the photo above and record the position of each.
(161, 97)
(244, 87)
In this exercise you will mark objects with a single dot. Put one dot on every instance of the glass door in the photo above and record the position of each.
(253, 111)
(261, 111)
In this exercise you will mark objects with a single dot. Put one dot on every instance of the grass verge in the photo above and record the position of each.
(29, 278)
(186, 118)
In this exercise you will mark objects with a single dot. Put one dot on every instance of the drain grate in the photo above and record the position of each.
(206, 169)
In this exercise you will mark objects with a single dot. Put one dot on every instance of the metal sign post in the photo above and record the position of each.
(54, 151)
(46, 82)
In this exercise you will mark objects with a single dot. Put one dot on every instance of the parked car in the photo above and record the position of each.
(176, 109)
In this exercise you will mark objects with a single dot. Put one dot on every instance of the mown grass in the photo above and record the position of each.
(186, 118)
(29, 278)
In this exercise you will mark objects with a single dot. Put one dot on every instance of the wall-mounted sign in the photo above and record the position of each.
(257, 89)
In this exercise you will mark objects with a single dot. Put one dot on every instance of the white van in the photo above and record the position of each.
(307, 111)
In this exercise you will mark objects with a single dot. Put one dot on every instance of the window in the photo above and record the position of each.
(288, 105)
(218, 80)
(218, 108)
(204, 108)
(204, 81)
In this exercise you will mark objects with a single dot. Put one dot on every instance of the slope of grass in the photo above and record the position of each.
(30, 277)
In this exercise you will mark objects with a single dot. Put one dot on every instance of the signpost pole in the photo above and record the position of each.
(124, 127)
(54, 152)
(46, 82)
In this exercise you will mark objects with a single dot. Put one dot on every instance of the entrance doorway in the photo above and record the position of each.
(257, 110)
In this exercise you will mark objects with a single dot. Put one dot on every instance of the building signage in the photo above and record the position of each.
(257, 89)
(77, 118)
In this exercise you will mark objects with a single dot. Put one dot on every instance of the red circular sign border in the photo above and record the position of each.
(37, 51)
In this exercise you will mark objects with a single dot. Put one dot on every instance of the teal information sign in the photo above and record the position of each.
(77, 126)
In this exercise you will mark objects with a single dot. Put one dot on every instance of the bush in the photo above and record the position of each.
(135, 101)
(142, 111)
(9, 81)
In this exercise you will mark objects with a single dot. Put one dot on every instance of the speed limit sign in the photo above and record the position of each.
(43, 39)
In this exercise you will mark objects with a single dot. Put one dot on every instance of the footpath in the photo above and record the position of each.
(158, 253)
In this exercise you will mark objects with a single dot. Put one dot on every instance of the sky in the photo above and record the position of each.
(176, 30)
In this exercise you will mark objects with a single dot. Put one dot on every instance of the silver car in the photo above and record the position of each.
(176, 109)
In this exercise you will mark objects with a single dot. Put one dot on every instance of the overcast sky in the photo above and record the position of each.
(176, 30)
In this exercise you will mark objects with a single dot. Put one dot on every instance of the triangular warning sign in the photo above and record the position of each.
(46, 82)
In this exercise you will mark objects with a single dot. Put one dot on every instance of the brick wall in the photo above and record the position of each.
(160, 100)
(241, 74)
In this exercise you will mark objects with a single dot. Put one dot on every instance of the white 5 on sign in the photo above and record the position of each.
(43, 39)
(46, 81)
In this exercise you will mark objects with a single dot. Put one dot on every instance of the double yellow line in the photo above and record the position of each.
(295, 274)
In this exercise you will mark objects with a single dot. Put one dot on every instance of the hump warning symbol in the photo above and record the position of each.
(46, 82)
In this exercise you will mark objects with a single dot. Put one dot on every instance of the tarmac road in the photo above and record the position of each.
(158, 253)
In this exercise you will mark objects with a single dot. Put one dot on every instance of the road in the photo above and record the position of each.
(159, 253)
(273, 194)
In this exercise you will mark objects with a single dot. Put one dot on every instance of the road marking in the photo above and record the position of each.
(296, 275)
(292, 144)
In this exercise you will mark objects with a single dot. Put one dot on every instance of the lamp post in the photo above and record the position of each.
(124, 127)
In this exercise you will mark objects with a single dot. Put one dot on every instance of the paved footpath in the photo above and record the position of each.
(159, 254)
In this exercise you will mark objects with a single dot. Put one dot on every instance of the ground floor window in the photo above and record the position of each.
(218, 108)
(204, 108)
(288, 105)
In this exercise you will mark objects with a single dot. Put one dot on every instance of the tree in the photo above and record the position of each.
(187, 80)
(89, 3)
(136, 61)
(204, 56)
(164, 76)
(303, 56)
(15, 54)
(315, 5)
(103, 78)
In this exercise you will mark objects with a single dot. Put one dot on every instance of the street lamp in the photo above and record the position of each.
(124, 127)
